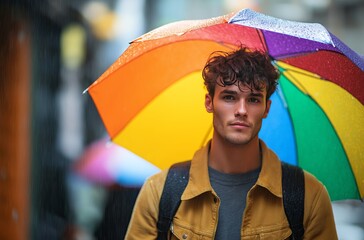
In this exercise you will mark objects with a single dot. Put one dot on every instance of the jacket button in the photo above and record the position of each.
(184, 236)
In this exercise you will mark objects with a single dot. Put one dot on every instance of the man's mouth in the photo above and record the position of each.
(239, 124)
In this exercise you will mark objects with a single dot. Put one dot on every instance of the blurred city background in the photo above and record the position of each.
(50, 52)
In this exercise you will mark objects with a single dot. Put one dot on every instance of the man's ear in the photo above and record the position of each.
(267, 108)
(208, 103)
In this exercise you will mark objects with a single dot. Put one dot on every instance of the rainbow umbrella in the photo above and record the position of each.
(151, 98)
(108, 164)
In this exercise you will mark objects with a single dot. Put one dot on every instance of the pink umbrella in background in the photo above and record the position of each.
(106, 163)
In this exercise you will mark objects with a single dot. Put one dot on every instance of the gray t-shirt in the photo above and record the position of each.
(232, 190)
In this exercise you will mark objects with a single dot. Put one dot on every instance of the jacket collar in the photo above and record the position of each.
(270, 175)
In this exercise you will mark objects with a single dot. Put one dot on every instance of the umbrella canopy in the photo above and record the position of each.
(108, 164)
(151, 99)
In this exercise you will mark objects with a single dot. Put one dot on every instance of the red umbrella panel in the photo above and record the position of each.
(151, 98)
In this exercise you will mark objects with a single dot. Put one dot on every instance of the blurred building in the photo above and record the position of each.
(33, 200)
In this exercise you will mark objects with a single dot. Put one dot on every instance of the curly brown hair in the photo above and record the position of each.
(244, 67)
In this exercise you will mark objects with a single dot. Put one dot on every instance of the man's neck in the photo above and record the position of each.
(231, 158)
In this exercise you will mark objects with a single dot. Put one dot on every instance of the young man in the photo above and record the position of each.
(234, 189)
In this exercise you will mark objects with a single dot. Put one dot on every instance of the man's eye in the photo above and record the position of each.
(254, 100)
(228, 97)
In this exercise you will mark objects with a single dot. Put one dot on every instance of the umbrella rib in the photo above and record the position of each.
(285, 104)
(281, 96)
(262, 40)
(287, 74)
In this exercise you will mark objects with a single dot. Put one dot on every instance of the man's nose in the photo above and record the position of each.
(240, 109)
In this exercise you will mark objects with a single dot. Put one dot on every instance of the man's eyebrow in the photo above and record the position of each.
(228, 92)
(256, 94)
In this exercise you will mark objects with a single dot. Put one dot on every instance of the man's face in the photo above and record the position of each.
(237, 115)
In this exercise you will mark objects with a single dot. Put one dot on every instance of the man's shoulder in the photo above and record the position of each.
(311, 181)
(158, 178)
(313, 187)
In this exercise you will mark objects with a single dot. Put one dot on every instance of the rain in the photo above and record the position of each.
(60, 174)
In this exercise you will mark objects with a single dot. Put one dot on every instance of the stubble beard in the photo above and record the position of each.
(239, 140)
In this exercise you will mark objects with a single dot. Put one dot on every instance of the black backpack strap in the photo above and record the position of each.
(293, 188)
(175, 184)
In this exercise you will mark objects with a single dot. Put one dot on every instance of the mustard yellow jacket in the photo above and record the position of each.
(263, 218)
